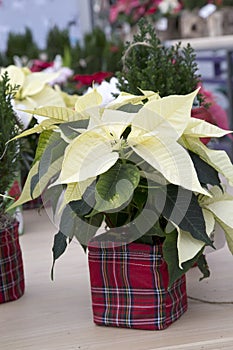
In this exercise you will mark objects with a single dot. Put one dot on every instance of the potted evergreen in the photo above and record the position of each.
(11, 263)
(136, 186)
(149, 64)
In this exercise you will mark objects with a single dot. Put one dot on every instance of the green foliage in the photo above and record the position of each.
(3, 60)
(94, 45)
(27, 150)
(191, 5)
(171, 256)
(150, 65)
(9, 128)
(21, 45)
(178, 201)
(59, 247)
(227, 3)
(112, 55)
(115, 187)
(97, 53)
(57, 41)
(197, 4)
(205, 173)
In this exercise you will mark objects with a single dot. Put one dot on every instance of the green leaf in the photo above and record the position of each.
(205, 172)
(182, 207)
(51, 197)
(67, 222)
(68, 129)
(34, 183)
(130, 108)
(75, 190)
(54, 150)
(59, 247)
(85, 229)
(43, 140)
(38, 184)
(72, 225)
(146, 222)
(156, 230)
(140, 197)
(83, 206)
(80, 207)
(26, 192)
(117, 219)
(218, 159)
(170, 255)
(145, 240)
(116, 186)
(203, 266)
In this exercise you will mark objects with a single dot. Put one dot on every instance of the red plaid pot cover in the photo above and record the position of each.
(11, 265)
(129, 287)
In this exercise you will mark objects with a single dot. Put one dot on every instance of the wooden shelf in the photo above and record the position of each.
(56, 315)
(223, 42)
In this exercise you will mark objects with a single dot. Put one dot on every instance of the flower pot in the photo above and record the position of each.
(129, 287)
(11, 264)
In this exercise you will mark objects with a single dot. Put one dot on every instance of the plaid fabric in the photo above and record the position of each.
(129, 287)
(11, 265)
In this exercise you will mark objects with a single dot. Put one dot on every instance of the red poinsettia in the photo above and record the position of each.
(39, 65)
(89, 79)
(219, 115)
(15, 190)
(203, 114)
(215, 114)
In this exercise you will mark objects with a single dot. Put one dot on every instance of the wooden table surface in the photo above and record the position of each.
(56, 315)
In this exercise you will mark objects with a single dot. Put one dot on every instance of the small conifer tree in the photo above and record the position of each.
(57, 41)
(9, 152)
(21, 44)
(150, 65)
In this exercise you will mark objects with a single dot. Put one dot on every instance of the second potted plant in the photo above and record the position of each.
(12, 282)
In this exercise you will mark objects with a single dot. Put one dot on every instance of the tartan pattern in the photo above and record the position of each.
(11, 265)
(129, 287)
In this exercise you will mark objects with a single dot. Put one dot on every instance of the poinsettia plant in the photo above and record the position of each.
(35, 89)
(88, 79)
(134, 170)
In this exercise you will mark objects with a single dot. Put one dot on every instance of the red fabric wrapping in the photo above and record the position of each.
(129, 287)
(11, 265)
